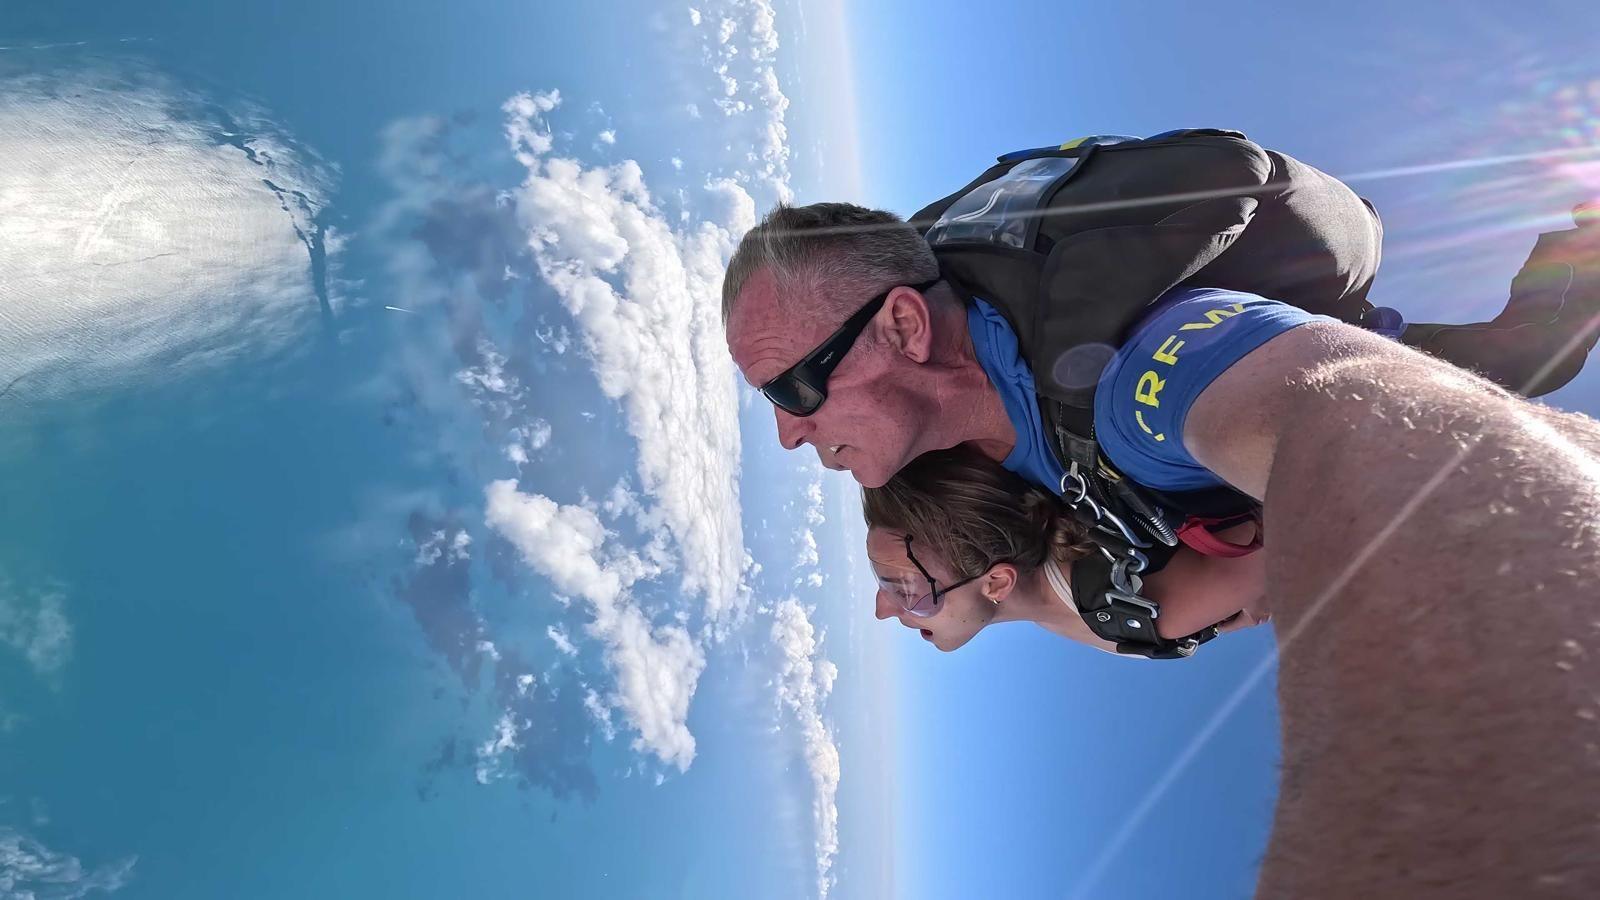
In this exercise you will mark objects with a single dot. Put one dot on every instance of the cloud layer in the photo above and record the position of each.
(644, 296)
(656, 668)
(805, 679)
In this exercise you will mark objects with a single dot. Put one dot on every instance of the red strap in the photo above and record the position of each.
(1197, 534)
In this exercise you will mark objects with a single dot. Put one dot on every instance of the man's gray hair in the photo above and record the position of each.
(831, 257)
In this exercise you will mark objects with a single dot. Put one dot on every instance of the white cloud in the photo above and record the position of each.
(643, 289)
(609, 136)
(538, 434)
(440, 545)
(749, 91)
(805, 679)
(814, 499)
(806, 548)
(806, 554)
(558, 636)
(557, 339)
(504, 739)
(526, 111)
(29, 870)
(533, 436)
(34, 623)
(491, 376)
(600, 712)
(142, 232)
(646, 300)
(656, 668)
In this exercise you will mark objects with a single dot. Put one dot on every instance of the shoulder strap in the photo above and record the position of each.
(1109, 600)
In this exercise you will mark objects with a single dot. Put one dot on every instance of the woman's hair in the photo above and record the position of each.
(972, 513)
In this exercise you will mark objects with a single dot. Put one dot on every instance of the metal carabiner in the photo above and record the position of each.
(1083, 487)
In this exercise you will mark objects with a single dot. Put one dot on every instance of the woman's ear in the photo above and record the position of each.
(999, 582)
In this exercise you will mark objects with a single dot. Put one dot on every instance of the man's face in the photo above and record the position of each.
(962, 611)
(866, 424)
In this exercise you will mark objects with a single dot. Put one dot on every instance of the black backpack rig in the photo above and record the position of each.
(1072, 243)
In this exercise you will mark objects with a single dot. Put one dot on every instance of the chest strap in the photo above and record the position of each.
(1108, 585)
(1108, 596)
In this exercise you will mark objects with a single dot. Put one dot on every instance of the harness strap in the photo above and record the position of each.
(1121, 614)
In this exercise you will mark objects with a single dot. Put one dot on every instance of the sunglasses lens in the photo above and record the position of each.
(793, 396)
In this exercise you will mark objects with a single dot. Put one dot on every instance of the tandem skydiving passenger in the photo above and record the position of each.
(1060, 313)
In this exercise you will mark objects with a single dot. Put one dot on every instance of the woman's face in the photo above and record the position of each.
(960, 613)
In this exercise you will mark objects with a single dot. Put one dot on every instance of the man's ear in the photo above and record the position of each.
(999, 583)
(908, 323)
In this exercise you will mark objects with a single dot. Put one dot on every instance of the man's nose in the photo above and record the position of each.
(792, 430)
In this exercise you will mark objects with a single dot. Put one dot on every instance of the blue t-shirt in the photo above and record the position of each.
(996, 347)
(1191, 336)
(1144, 395)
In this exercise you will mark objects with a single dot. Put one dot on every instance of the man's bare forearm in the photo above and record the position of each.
(1435, 581)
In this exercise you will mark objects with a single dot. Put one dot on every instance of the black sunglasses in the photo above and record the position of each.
(800, 389)
(928, 604)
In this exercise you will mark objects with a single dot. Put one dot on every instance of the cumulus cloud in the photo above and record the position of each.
(742, 52)
(645, 299)
(534, 436)
(656, 668)
(805, 679)
(600, 712)
(805, 539)
(145, 230)
(442, 545)
(538, 434)
(490, 377)
(642, 287)
(29, 869)
(33, 622)
(806, 549)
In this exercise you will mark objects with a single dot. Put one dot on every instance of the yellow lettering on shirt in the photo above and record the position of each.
(1149, 386)
(1213, 316)
(1169, 350)
(1148, 390)
(1138, 416)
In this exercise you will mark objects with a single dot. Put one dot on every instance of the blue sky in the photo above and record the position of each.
(267, 614)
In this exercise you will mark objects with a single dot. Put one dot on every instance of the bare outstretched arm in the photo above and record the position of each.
(1435, 586)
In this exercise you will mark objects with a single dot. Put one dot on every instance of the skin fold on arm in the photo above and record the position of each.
(1435, 589)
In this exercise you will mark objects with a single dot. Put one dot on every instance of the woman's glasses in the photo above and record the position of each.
(928, 604)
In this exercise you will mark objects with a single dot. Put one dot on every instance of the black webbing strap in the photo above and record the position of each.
(1125, 617)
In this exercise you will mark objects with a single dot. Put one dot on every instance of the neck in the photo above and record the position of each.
(969, 405)
(1037, 601)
